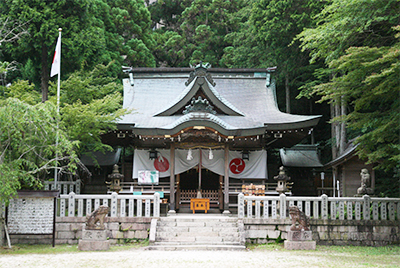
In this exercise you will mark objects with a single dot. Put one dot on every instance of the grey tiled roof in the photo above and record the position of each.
(246, 95)
(300, 156)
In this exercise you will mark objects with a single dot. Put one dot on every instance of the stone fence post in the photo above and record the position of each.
(156, 210)
(71, 204)
(366, 207)
(282, 206)
(324, 207)
(114, 204)
(241, 206)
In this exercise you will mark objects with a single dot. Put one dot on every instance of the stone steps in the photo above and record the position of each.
(196, 247)
(195, 232)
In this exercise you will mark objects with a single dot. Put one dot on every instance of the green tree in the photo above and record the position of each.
(10, 31)
(43, 20)
(28, 146)
(201, 35)
(98, 31)
(345, 23)
(370, 84)
(245, 51)
(356, 39)
(90, 103)
(166, 14)
(276, 24)
(128, 32)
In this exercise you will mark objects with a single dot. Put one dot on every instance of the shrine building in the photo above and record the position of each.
(202, 132)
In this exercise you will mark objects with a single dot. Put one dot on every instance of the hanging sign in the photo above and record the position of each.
(148, 177)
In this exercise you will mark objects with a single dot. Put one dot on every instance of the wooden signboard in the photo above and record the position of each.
(33, 213)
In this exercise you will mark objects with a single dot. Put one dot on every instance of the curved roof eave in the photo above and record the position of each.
(214, 122)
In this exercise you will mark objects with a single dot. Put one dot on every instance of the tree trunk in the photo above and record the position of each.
(44, 85)
(333, 142)
(343, 136)
(1, 225)
(287, 92)
(311, 112)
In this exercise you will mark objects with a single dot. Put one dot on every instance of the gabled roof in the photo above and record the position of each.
(103, 158)
(302, 155)
(349, 153)
(244, 101)
(204, 84)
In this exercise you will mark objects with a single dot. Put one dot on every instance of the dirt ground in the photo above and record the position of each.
(187, 259)
(144, 258)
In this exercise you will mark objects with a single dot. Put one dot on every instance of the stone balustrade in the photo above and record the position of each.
(322, 207)
(75, 205)
(65, 187)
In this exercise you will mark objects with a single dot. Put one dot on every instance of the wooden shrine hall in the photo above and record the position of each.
(196, 131)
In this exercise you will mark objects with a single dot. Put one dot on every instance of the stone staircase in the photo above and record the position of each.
(197, 232)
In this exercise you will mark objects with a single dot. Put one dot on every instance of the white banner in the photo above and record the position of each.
(254, 168)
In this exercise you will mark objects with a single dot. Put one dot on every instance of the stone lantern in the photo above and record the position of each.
(115, 177)
(282, 179)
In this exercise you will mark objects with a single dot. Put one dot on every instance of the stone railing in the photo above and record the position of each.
(74, 205)
(65, 187)
(322, 207)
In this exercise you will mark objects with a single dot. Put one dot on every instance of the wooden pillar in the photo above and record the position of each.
(172, 180)
(226, 179)
(200, 164)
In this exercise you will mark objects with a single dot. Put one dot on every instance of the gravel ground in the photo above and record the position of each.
(176, 259)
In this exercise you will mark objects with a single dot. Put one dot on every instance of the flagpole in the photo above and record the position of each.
(58, 109)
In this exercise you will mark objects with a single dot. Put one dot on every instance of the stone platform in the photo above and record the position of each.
(300, 240)
(93, 240)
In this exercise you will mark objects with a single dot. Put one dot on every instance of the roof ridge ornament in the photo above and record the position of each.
(200, 71)
(199, 105)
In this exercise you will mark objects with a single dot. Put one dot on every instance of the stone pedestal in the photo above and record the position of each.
(300, 240)
(94, 240)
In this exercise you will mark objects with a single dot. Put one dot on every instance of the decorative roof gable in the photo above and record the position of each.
(200, 95)
(199, 105)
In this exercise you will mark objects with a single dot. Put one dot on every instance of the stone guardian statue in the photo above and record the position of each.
(365, 183)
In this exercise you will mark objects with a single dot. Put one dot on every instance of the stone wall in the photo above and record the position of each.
(358, 233)
(327, 232)
(69, 231)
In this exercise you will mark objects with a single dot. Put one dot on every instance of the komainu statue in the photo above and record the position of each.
(95, 221)
(299, 217)
(365, 183)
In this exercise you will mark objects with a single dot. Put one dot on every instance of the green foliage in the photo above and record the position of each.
(342, 24)
(370, 83)
(128, 32)
(94, 32)
(276, 23)
(28, 145)
(86, 122)
(356, 39)
(245, 50)
(203, 25)
(24, 91)
(90, 105)
(169, 49)
(167, 13)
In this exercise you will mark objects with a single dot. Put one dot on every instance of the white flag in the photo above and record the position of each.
(55, 67)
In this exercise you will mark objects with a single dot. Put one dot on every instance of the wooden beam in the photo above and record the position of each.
(172, 179)
(226, 179)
